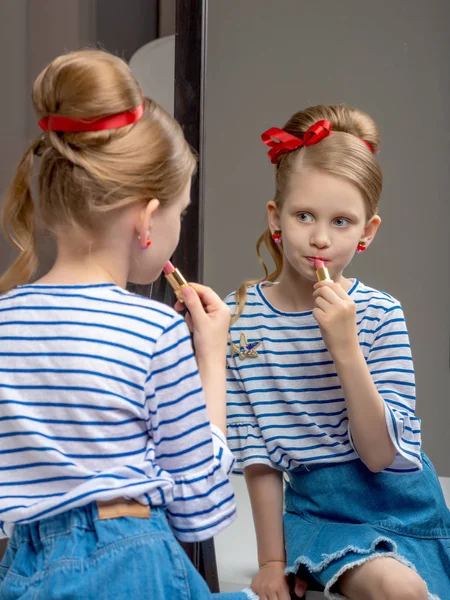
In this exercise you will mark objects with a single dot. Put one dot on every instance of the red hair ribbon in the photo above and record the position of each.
(67, 124)
(280, 141)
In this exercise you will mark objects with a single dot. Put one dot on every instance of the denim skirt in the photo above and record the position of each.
(337, 516)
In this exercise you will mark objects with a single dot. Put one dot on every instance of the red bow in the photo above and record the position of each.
(57, 123)
(280, 141)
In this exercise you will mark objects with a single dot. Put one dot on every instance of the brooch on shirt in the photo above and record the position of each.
(245, 349)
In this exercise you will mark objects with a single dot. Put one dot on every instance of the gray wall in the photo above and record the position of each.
(27, 43)
(265, 60)
(13, 69)
(123, 26)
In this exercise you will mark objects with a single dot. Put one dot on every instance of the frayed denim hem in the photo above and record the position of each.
(371, 554)
(329, 558)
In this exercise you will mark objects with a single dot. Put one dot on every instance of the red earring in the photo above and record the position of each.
(148, 242)
(361, 247)
(276, 236)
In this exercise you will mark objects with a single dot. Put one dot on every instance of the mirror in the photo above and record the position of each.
(264, 61)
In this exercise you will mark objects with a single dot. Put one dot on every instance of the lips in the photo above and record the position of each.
(312, 259)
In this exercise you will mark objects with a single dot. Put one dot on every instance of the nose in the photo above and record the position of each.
(320, 237)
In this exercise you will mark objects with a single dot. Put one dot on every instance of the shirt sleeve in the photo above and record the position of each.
(185, 446)
(391, 366)
(243, 432)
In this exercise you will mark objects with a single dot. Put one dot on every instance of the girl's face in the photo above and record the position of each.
(323, 217)
(163, 225)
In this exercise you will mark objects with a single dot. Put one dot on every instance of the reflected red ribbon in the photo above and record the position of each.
(280, 141)
(67, 124)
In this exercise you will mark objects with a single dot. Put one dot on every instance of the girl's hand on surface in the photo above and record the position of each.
(270, 583)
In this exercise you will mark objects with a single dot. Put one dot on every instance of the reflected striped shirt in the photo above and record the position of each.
(100, 398)
(285, 404)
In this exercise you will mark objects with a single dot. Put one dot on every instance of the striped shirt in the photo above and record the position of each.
(286, 407)
(100, 398)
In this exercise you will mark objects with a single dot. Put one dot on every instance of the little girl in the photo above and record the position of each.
(105, 433)
(321, 386)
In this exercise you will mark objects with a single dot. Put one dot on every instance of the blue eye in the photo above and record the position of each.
(341, 222)
(305, 217)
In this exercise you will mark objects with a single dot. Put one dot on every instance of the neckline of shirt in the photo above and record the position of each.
(295, 315)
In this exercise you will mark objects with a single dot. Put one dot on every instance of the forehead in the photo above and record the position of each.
(320, 190)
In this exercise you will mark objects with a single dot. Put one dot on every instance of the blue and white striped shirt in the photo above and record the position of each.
(100, 398)
(286, 406)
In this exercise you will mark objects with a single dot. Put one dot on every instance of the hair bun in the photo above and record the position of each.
(343, 118)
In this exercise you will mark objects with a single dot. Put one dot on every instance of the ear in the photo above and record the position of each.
(371, 229)
(144, 222)
(273, 216)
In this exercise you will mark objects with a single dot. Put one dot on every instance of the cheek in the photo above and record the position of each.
(295, 235)
(166, 231)
(345, 247)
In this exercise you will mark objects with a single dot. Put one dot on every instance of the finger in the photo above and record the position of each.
(327, 293)
(340, 292)
(336, 287)
(179, 306)
(193, 303)
(325, 283)
(284, 594)
(189, 322)
(318, 313)
(210, 300)
(323, 304)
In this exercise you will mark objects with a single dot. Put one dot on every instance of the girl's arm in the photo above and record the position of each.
(208, 319)
(379, 393)
(265, 487)
(182, 445)
(365, 408)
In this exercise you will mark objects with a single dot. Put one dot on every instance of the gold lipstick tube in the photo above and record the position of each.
(323, 274)
(177, 283)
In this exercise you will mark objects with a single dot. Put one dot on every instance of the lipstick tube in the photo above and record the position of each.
(321, 271)
(176, 280)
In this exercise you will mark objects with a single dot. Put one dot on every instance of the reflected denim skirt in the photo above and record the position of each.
(340, 515)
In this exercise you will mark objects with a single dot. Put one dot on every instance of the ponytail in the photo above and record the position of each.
(19, 223)
(277, 255)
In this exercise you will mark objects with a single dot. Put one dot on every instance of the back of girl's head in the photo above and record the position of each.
(84, 175)
(348, 154)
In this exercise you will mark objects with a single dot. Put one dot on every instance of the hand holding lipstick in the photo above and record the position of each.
(335, 313)
(208, 318)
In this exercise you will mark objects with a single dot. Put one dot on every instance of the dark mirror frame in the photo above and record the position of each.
(190, 52)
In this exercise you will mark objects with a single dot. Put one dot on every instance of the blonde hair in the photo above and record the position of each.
(342, 154)
(84, 175)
